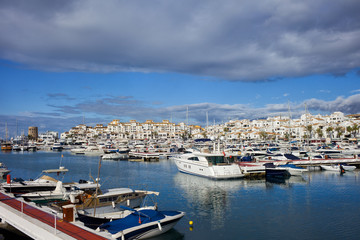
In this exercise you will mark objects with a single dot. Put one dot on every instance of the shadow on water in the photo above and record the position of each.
(172, 234)
(4, 234)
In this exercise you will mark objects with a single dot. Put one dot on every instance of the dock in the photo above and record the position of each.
(144, 157)
(37, 223)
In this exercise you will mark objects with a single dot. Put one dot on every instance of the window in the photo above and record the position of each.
(193, 159)
(215, 159)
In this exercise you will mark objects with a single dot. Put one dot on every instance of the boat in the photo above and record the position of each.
(44, 183)
(292, 169)
(275, 171)
(4, 171)
(78, 151)
(142, 224)
(6, 146)
(95, 220)
(16, 147)
(114, 156)
(211, 165)
(57, 147)
(93, 151)
(338, 167)
(108, 200)
(59, 194)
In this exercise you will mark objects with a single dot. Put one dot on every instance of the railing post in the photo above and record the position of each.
(54, 212)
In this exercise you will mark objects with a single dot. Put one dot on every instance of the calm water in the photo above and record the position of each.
(321, 205)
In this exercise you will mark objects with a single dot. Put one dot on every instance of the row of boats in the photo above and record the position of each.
(122, 212)
(217, 165)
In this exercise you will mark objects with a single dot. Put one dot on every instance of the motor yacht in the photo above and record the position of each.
(211, 165)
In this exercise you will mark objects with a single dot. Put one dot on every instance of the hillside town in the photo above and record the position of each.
(335, 126)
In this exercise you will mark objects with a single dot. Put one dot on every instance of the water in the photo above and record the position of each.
(321, 205)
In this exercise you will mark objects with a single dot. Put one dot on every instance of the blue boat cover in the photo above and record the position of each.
(136, 219)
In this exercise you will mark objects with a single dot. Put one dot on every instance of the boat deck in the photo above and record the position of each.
(39, 224)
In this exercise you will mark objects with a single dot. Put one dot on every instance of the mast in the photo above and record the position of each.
(6, 132)
(97, 186)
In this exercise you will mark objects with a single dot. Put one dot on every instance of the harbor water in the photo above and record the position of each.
(319, 205)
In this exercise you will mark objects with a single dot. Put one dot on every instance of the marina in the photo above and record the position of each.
(257, 208)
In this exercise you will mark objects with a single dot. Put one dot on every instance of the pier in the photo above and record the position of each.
(144, 156)
(39, 224)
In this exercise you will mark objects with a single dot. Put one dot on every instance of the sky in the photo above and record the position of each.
(64, 63)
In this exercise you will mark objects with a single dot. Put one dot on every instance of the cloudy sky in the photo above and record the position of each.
(63, 63)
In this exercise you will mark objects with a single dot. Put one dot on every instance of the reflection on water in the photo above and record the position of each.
(210, 198)
(284, 182)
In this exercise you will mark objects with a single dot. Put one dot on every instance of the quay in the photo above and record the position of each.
(39, 224)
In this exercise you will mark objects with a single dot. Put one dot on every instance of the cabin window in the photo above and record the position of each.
(194, 158)
(108, 199)
(215, 159)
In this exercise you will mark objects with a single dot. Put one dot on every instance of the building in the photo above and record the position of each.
(33, 133)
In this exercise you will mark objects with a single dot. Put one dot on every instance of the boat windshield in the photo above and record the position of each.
(215, 160)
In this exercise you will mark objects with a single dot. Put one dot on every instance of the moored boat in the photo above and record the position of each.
(59, 194)
(3, 170)
(211, 165)
(142, 224)
(338, 167)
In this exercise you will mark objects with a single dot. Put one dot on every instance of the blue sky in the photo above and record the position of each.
(63, 63)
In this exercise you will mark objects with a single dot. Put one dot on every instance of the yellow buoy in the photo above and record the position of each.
(191, 222)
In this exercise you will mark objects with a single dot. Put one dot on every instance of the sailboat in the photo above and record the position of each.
(6, 146)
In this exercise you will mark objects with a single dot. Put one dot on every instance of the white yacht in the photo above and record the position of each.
(211, 165)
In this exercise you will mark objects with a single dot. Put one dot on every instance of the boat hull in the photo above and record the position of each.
(337, 168)
(140, 228)
(232, 171)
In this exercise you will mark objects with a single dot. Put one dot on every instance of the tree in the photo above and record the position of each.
(287, 136)
(319, 132)
(329, 131)
(263, 135)
(355, 129)
(309, 129)
(349, 129)
(340, 131)
(185, 135)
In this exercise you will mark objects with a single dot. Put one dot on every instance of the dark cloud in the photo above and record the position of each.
(231, 39)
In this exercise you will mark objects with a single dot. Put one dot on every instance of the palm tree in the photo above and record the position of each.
(349, 129)
(355, 129)
(329, 131)
(339, 130)
(319, 132)
(309, 129)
